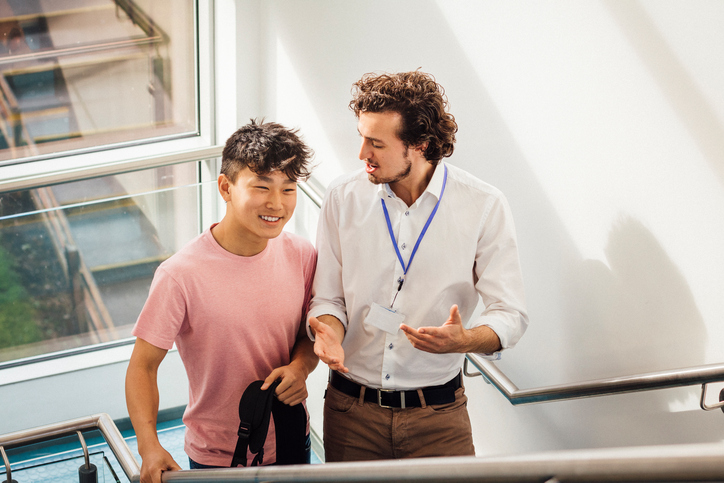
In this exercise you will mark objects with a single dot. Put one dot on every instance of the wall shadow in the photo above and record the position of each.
(675, 82)
(637, 314)
(587, 320)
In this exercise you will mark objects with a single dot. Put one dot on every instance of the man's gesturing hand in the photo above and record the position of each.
(328, 345)
(450, 337)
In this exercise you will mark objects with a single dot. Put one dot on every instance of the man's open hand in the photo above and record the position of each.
(450, 337)
(327, 345)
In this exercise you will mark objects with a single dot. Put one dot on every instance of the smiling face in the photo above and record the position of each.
(257, 208)
(385, 155)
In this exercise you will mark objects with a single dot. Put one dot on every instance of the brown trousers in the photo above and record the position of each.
(355, 430)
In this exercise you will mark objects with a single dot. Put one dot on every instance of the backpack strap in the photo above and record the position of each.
(290, 427)
(255, 408)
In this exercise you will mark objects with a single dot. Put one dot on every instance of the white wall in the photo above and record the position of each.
(602, 123)
(78, 386)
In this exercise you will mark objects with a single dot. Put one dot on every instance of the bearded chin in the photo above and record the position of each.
(396, 178)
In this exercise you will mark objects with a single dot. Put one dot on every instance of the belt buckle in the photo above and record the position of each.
(390, 391)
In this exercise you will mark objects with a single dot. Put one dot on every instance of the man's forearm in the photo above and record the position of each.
(334, 323)
(142, 401)
(482, 340)
(303, 355)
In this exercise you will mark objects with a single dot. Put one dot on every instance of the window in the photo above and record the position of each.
(104, 171)
(77, 259)
(81, 75)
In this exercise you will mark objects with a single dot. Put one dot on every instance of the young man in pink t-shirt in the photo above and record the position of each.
(233, 301)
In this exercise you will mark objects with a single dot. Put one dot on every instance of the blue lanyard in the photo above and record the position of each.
(419, 239)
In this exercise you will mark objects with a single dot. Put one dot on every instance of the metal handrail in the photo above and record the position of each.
(601, 387)
(102, 422)
(316, 196)
(704, 462)
(694, 462)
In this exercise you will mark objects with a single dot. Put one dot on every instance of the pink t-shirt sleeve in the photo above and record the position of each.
(164, 312)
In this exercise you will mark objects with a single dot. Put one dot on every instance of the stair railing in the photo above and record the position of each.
(101, 422)
(692, 462)
(703, 375)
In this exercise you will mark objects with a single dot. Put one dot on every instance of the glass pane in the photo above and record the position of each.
(78, 74)
(62, 468)
(77, 259)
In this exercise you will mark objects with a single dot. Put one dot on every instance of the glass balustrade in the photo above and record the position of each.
(65, 469)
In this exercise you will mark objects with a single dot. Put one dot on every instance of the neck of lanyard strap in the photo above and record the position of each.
(405, 268)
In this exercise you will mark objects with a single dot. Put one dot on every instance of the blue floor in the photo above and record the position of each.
(59, 463)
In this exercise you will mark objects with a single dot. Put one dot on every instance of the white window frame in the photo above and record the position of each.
(69, 167)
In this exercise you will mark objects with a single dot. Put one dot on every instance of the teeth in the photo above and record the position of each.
(270, 218)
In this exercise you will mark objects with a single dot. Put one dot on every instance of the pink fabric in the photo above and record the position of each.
(234, 319)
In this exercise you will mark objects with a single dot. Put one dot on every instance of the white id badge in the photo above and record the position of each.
(384, 318)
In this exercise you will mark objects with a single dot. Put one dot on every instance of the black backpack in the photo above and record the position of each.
(290, 424)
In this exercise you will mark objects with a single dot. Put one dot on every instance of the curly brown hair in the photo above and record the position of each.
(264, 148)
(421, 102)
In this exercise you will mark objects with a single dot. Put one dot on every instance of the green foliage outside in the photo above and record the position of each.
(17, 316)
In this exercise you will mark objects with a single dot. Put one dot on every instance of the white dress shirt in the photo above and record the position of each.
(468, 251)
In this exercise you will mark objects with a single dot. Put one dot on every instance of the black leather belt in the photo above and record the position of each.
(443, 394)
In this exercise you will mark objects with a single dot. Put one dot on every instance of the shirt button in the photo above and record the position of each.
(387, 376)
(403, 246)
(407, 213)
(390, 346)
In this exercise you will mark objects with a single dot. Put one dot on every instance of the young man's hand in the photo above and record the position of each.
(154, 462)
(328, 344)
(293, 388)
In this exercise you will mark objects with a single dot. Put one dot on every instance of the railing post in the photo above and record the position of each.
(707, 407)
(7, 466)
(87, 473)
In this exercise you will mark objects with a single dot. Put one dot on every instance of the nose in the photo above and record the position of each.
(274, 201)
(364, 151)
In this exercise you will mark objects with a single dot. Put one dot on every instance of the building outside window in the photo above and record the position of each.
(90, 78)
(85, 74)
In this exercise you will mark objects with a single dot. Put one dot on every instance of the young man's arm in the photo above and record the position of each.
(142, 402)
(293, 386)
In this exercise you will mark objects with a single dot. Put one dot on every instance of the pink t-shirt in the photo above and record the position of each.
(234, 319)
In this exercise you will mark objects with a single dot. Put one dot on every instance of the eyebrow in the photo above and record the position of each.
(369, 138)
(267, 179)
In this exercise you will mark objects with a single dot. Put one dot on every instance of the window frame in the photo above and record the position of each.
(97, 161)
(127, 157)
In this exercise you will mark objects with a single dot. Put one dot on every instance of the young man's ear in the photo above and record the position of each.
(224, 185)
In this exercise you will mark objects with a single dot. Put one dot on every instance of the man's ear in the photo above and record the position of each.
(224, 187)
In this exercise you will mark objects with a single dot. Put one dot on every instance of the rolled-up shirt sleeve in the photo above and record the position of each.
(499, 276)
(327, 289)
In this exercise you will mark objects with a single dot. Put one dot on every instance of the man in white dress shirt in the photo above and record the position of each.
(407, 247)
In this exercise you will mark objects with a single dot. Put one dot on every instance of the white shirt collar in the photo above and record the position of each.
(433, 187)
